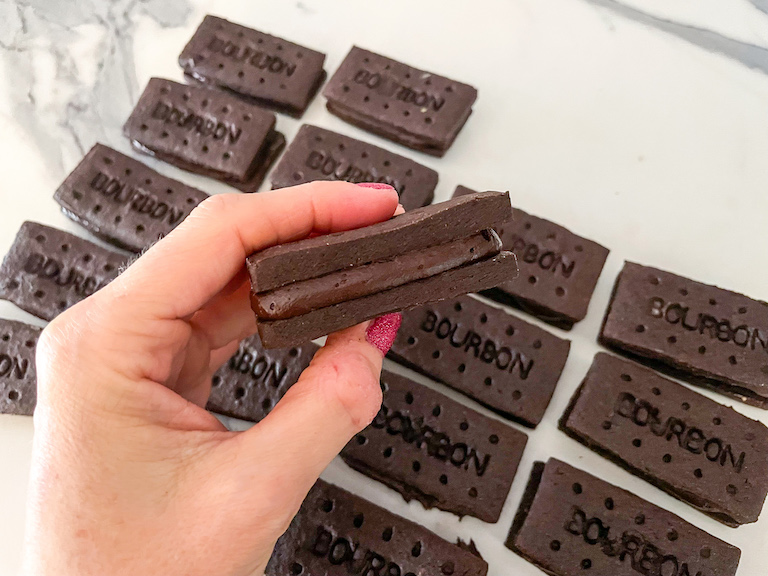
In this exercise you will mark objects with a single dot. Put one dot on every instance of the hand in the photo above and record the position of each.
(130, 474)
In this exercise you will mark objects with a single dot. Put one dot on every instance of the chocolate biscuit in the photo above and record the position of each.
(259, 67)
(253, 380)
(18, 380)
(700, 333)
(124, 202)
(504, 363)
(205, 131)
(485, 273)
(415, 230)
(571, 523)
(437, 451)
(319, 154)
(558, 269)
(312, 287)
(48, 270)
(704, 453)
(336, 532)
(409, 106)
(303, 297)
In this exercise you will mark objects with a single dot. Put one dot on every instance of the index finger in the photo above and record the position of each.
(187, 268)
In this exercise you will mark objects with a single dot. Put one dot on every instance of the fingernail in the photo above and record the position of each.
(375, 185)
(382, 331)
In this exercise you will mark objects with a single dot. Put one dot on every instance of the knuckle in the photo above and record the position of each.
(54, 336)
(68, 339)
(56, 349)
(212, 207)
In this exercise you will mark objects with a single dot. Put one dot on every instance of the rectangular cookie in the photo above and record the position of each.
(504, 363)
(356, 282)
(706, 454)
(286, 332)
(319, 154)
(437, 451)
(205, 131)
(571, 523)
(253, 380)
(48, 270)
(306, 289)
(18, 379)
(698, 332)
(558, 269)
(415, 230)
(124, 202)
(262, 68)
(412, 107)
(337, 533)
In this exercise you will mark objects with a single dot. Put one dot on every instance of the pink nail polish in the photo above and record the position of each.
(375, 185)
(382, 331)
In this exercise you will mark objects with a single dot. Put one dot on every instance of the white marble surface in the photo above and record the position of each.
(642, 125)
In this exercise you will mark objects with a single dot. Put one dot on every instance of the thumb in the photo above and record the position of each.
(337, 396)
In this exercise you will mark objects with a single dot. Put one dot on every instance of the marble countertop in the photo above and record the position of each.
(640, 124)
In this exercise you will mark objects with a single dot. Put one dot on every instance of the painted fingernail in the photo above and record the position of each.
(375, 185)
(382, 331)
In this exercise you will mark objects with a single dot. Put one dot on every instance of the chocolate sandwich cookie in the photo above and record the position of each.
(700, 333)
(305, 289)
(124, 202)
(306, 296)
(409, 106)
(205, 131)
(437, 451)
(48, 270)
(253, 380)
(319, 154)
(18, 380)
(336, 533)
(504, 363)
(558, 269)
(265, 69)
(571, 523)
(704, 453)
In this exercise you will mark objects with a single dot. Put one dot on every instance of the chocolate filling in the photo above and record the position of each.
(302, 297)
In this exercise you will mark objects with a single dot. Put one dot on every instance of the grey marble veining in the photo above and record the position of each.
(53, 87)
(750, 55)
(761, 5)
